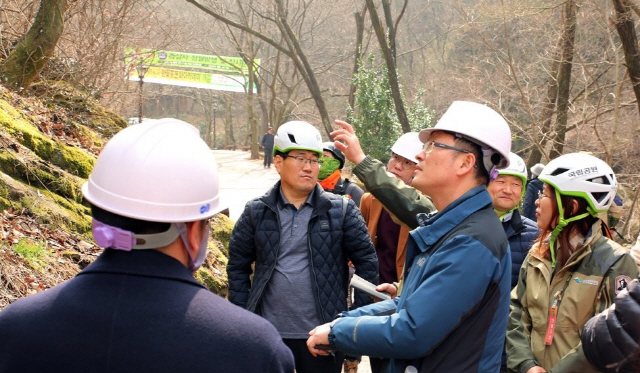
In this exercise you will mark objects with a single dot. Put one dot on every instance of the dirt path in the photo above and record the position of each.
(242, 179)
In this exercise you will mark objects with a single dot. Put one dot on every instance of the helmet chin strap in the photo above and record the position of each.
(561, 224)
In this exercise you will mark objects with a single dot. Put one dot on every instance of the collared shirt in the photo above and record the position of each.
(289, 302)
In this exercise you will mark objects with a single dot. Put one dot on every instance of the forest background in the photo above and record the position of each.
(564, 74)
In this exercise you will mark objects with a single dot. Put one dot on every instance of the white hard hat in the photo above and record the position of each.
(158, 171)
(584, 176)
(517, 168)
(297, 135)
(408, 146)
(479, 124)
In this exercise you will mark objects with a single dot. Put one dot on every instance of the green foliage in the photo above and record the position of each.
(374, 119)
(32, 252)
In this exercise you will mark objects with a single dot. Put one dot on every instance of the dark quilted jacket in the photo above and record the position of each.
(521, 232)
(334, 239)
(610, 340)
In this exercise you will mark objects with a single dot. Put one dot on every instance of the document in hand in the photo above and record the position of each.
(363, 285)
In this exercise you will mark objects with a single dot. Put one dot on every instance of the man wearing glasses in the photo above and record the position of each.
(451, 315)
(299, 238)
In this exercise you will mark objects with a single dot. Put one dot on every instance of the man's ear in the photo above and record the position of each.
(194, 235)
(468, 163)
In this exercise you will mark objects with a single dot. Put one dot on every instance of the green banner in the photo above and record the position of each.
(194, 79)
(153, 57)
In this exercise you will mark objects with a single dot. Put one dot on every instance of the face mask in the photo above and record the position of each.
(329, 166)
(195, 263)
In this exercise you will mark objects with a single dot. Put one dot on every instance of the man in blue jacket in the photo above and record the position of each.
(452, 312)
(300, 240)
(137, 308)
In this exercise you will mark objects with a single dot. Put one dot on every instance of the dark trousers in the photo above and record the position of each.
(377, 364)
(306, 363)
(268, 157)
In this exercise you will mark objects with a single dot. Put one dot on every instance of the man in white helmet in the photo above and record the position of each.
(451, 315)
(137, 308)
(299, 239)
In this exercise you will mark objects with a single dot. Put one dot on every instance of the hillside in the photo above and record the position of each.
(50, 137)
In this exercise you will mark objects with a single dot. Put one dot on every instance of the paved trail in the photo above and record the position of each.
(242, 179)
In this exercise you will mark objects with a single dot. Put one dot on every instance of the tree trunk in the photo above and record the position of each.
(358, 53)
(548, 109)
(564, 78)
(629, 40)
(391, 67)
(303, 65)
(30, 56)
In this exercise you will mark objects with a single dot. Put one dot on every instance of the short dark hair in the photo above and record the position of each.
(128, 224)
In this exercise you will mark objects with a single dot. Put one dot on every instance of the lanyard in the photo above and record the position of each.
(553, 313)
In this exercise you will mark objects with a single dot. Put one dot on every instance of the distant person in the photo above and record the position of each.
(534, 187)
(611, 339)
(571, 273)
(289, 250)
(452, 312)
(137, 308)
(330, 174)
(389, 237)
(267, 144)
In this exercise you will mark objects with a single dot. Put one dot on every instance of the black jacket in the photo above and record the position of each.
(335, 237)
(521, 232)
(610, 339)
(138, 311)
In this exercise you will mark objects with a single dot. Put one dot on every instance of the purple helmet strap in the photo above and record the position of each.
(116, 238)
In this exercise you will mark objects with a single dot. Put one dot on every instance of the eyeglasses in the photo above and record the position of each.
(405, 164)
(541, 196)
(428, 147)
(301, 161)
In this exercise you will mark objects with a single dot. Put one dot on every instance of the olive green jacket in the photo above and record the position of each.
(585, 286)
(401, 200)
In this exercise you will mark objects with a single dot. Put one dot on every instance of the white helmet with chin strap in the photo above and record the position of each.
(579, 175)
(156, 171)
(408, 146)
(297, 135)
(481, 125)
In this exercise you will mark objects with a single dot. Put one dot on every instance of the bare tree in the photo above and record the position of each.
(290, 46)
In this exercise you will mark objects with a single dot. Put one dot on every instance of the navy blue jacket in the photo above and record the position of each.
(335, 237)
(530, 196)
(138, 311)
(451, 315)
(521, 232)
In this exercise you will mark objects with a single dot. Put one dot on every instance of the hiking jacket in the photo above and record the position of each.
(137, 311)
(371, 209)
(405, 202)
(590, 279)
(521, 232)
(337, 234)
(610, 340)
(452, 312)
